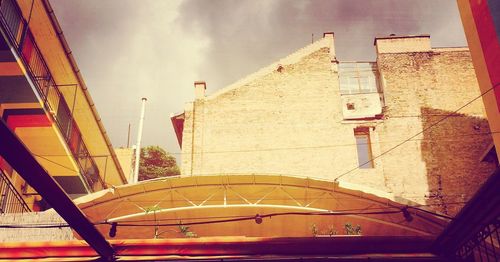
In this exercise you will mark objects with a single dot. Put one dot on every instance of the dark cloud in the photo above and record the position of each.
(244, 37)
(130, 49)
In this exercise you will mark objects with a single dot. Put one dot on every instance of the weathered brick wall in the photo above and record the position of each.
(49, 217)
(287, 122)
(421, 88)
(291, 123)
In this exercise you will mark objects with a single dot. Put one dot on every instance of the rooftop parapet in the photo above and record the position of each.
(402, 44)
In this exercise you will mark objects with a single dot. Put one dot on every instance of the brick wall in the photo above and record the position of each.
(421, 88)
(290, 122)
(49, 217)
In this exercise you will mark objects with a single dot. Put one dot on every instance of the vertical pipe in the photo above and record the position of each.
(128, 136)
(138, 145)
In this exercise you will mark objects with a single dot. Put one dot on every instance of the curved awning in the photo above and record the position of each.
(226, 205)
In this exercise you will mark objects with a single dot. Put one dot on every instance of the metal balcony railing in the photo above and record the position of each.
(20, 36)
(482, 246)
(10, 200)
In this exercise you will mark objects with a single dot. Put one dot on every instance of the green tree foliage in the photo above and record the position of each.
(156, 162)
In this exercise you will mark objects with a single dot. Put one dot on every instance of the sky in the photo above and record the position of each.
(129, 49)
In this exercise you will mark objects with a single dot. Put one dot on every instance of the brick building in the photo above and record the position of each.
(311, 115)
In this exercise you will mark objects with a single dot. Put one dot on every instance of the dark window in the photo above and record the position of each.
(364, 148)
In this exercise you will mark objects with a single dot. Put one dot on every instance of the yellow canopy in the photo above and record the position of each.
(233, 205)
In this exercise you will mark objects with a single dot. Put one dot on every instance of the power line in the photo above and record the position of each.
(236, 219)
(308, 147)
(419, 133)
(225, 219)
(264, 216)
(197, 218)
(55, 163)
(380, 209)
(325, 146)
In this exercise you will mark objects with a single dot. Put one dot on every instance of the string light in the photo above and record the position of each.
(257, 218)
(408, 217)
(112, 230)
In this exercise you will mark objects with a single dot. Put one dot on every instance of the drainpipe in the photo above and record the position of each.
(138, 145)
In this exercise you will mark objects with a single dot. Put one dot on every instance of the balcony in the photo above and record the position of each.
(360, 90)
(10, 200)
(26, 50)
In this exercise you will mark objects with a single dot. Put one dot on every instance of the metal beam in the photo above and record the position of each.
(19, 157)
(339, 248)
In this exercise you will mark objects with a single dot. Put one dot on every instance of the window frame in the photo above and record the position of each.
(364, 132)
(351, 73)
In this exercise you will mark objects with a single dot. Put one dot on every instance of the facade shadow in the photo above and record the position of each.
(453, 150)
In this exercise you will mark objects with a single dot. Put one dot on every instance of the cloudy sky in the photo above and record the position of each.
(128, 49)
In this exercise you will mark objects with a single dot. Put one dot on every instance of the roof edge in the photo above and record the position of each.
(178, 132)
(399, 37)
(287, 60)
(74, 66)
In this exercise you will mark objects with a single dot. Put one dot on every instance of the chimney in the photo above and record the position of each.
(402, 44)
(329, 35)
(199, 89)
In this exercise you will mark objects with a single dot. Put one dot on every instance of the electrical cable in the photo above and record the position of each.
(309, 147)
(299, 213)
(210, 221)
(264, 216)
(326, 146)
(55, 163)
(240, 216)
(432, 213)
(419, 133)
(394, 210)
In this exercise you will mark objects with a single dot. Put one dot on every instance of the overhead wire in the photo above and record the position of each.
(418, 133)
(227, 219)
(220, 219)
(234, 219)
(380, 209)
(302, 213)
(313, 147)
(263, 216)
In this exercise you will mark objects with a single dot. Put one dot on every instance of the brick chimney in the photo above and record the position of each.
(199, 89)
(330, 35)
(402, 44)
(327, 34)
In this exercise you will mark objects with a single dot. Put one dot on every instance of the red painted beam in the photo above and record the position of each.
(366, 247)
(487, 27)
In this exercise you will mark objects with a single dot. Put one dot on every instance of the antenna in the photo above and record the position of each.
(138, 145)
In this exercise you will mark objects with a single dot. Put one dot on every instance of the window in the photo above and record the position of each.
(358, 78)
(363, 147)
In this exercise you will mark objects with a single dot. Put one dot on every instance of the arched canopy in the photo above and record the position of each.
(289, 207)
